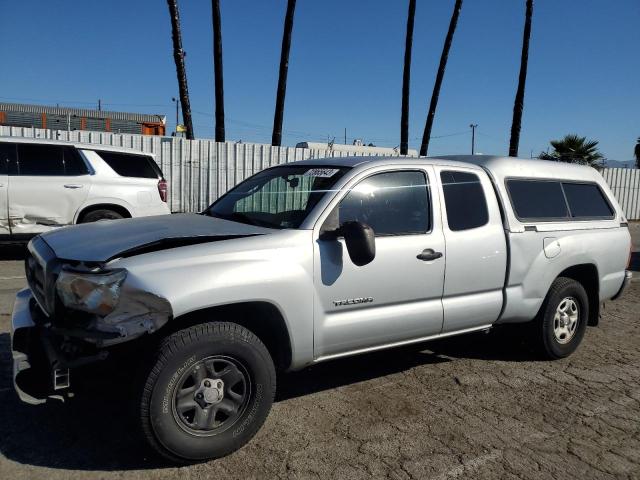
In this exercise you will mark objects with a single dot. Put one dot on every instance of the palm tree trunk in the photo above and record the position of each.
(518, 104)
(178, 56)
(426, 136)
(276, 137)
(406, 76)
(217, 69)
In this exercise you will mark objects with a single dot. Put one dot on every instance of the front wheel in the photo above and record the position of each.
(208, 392)
(560, 325)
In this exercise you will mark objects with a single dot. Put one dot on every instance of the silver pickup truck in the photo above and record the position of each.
(307, 262)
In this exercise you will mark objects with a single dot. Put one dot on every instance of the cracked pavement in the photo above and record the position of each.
(477, 406)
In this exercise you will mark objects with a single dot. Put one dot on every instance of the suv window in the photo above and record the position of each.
(537, 199)
(586, 201)
(393, 203)
(7, 157)
(464, 200)
(73, 163)
(49, 160)
(130, 165)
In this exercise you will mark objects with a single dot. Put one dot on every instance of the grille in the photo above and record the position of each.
(41, 268)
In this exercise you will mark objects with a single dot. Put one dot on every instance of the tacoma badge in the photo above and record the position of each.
(352, 301)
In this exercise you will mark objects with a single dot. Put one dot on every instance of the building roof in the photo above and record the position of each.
(81, 112)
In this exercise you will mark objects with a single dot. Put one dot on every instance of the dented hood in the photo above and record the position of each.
(104, 241)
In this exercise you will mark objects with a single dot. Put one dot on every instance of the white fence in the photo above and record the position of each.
(625, 183)
(199, 171)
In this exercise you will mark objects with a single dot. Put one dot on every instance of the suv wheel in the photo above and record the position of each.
(562, 320)
(207, 393)
(102, 214)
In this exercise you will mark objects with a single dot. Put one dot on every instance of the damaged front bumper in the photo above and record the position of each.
(44, 353)
(32, 370)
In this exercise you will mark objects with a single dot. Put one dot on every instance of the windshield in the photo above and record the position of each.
(279, 197)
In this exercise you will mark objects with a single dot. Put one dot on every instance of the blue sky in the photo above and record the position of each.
(345, 67)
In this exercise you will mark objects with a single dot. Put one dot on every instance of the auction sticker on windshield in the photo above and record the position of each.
(321, 172)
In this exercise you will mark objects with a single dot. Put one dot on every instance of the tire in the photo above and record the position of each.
(559, 327)
(186, 415)
(102, 214)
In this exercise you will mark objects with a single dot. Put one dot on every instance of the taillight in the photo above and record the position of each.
(162, 189)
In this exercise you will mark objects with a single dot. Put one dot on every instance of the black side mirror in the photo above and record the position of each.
(361, 242)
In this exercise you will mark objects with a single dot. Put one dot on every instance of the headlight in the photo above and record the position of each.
(91, 292)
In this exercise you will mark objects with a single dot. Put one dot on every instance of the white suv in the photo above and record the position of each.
(45, 184)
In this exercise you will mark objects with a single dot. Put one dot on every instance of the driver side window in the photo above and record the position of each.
(391, 203)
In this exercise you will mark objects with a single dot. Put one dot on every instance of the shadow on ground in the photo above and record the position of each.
(97, 429)
(635, 262)
(12, 251)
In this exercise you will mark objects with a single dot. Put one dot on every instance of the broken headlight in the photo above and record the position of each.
(96, 293)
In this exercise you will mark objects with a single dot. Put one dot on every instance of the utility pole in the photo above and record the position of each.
(345, 135)
(473, 137)
(99, 104)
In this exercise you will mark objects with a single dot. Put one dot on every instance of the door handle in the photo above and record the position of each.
(73, 185)
(429, 254)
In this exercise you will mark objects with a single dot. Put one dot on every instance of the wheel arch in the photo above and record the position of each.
(262, 318)
(587, 275)
(122, 210)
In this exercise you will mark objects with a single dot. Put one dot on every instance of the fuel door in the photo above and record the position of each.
(551, 247)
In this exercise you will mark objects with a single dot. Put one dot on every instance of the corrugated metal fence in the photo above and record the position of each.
(199, 171)
(625, 183)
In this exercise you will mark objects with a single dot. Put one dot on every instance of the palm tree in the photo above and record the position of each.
(518, 104)
(636, 152)
(426, 136)
(404, 119)
(276, 137)
(178, 56)
(574, 149)
(217, 69)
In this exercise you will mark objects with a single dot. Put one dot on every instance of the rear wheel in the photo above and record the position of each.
(560, 325)
(208, 392)
(101, 214)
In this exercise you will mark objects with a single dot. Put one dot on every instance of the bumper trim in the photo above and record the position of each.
(625, 283)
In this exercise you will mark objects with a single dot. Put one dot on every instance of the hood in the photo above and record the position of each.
(104, 241)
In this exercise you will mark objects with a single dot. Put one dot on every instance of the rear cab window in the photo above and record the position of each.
(558, 200)
(464, 199)
(131, 165)
(586, 200)
(537, 200)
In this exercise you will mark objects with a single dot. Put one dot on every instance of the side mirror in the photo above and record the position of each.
(361, 242)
